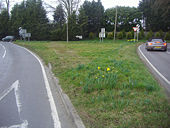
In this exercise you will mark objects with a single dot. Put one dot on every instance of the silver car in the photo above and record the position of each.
(156, 44)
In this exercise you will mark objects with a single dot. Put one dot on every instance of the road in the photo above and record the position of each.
(26, 98)
(159, 63)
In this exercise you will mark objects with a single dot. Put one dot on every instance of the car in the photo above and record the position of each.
(156, 44)
(8, 38)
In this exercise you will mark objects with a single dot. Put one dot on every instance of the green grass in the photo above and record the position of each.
(107, 82)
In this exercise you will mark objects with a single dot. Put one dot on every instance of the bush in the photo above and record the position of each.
(120, 35)
(158, 35)
(124, 33)
(110, 35)
(91, 35)
(161, 33)
(142, 34)
(129, 35)
(167, 36)
(149, 35)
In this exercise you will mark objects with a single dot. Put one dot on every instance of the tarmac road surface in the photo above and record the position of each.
(159, 63)
(26, 98)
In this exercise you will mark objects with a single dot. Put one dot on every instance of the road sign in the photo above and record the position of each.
(102, 30)
(27, 35)
(102, 35)
(135, 29)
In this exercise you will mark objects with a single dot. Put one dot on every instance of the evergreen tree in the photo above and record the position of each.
(83, 23)
(4, 23)
(73, 27)
(59, 17)
(31, 15)
(95, 13)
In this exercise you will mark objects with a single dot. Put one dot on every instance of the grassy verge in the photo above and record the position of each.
(107, 83)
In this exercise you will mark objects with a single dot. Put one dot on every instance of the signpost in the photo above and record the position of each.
(102, 34)
(136, 31)
(23, 34)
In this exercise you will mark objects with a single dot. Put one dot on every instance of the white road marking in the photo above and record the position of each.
(168, 52)
(54, 112)
(23, 125)
(15, 87)
(163, 77)
(4, 51)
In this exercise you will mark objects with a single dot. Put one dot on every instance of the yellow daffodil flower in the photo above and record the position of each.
(99, 68)
(108, 69)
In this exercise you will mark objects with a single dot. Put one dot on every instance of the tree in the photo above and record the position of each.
(95, 13)
(1, 6)
(70, 6)
(4, 23)
(83, 23)
(59, 17)
(7, 5)
(128, 17)
(155, 14)
(31, 15)
(73, 26)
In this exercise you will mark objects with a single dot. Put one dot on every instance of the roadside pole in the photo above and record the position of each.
(67, 29)
(115, 24)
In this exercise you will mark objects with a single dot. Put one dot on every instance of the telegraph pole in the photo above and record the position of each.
(67, 29)
(115, 24)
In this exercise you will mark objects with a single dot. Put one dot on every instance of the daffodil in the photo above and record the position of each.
(99, 68)
(103, 76)
(108, 69)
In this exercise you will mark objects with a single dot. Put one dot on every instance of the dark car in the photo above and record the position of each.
(8, 38)
(156, 44)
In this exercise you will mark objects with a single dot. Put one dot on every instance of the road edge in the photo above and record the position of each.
(65, 99)
(160, 80)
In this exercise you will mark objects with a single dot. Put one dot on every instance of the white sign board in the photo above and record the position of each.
(102, 35)
(27, 34)
(102, 30)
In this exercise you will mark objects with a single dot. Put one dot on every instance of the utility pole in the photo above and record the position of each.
(115, 24)
(67, 29)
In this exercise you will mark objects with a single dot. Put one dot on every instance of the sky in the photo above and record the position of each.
(106, 3)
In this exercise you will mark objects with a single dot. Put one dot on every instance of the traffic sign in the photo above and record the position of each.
(135, 29)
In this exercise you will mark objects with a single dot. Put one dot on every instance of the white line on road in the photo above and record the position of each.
(163, 77)
(54, 112)
(15, 86)
(168, 52)
(4, 51)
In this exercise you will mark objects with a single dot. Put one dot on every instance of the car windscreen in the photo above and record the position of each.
(157, 40)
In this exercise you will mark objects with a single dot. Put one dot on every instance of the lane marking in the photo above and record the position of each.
(15, 87)
(4, 51)
(162, 76)
(54, 113)
(168, 52)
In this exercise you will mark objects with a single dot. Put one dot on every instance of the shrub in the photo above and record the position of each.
(142, 34)
(158, 35)
(91, 35)
(129, 35)
(120, 35)
(110, 35)
(167, 36)
(124, 33)
(161, 33)
(149, 35)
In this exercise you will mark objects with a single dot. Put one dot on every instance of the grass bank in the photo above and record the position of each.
(107, 83)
